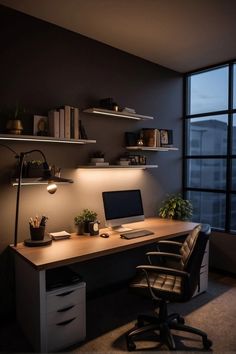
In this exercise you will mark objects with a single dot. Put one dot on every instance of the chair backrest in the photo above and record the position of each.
(188, 246)
(193, 251)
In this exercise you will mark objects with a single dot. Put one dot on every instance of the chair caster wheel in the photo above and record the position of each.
(130, 345)
(207, 343)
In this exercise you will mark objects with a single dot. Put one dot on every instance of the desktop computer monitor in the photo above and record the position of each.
(122, 207)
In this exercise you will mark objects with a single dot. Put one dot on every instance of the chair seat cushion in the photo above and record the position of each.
(163, 285)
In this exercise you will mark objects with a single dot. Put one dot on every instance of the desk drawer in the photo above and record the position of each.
(65, 297)
(66, 313)
(65, 333)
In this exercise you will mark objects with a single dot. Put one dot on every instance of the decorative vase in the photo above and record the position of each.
(14, 126)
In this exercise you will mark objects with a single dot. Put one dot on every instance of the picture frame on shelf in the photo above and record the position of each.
(137, 159)
(40, 125)
(166, 137)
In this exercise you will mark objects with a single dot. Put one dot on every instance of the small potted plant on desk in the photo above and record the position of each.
(83, 221)
(175, 207)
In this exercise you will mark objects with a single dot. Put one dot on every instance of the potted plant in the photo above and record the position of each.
(175, 207)
(97, 156)
(34, 168)
(83, 219)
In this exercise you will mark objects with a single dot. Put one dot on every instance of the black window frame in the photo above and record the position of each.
(230, 111)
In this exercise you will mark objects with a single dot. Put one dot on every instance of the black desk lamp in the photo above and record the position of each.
(46, 177)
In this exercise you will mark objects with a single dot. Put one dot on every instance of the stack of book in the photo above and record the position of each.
(65, 123)
(153, 137)
(99, 162)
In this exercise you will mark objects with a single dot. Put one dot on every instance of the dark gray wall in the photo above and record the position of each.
(43, 67)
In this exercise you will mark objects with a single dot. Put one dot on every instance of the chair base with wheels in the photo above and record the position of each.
(163, 323)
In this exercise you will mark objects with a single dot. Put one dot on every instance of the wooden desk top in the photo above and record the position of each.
(81, 248)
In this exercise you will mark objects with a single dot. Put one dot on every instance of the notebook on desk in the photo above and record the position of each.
(61, 235)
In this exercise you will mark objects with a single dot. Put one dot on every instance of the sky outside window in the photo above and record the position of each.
(209, 91)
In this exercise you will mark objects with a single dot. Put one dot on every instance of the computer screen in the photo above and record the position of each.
(122, 207)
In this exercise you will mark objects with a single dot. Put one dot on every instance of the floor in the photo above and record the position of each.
(110, 316)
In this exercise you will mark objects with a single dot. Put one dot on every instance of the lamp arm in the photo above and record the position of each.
(35, 150)
(21, 160)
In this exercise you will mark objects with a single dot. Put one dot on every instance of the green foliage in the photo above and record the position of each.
(85, 216)
(13, 112)
(175, 207)
(35, 162)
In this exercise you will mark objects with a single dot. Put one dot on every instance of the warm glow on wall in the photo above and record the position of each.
(110, 178)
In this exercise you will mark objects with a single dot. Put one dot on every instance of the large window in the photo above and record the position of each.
(210, 146)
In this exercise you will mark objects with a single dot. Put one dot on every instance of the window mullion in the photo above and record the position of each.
(229, 149)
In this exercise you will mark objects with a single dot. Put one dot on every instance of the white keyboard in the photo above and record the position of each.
(134, 234)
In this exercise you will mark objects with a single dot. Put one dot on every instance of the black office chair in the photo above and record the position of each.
(166, 284)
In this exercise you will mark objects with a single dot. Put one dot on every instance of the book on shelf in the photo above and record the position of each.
(67, 121)
(82, 132)
(151, 137)
(71, 122)
(76, 123)
(54, 123)
(62, 122)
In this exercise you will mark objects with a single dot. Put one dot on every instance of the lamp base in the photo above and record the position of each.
(32, 243)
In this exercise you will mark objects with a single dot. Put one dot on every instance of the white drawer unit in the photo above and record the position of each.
(66, 319)
(203, 283)
(51, 320)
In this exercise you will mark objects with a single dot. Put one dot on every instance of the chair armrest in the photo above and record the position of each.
(163, 255)
(169, 242)
(168, 245)
(158, 269)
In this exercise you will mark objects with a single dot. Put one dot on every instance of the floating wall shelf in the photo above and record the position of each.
(111, 113)
(45, 139)
(140, 167)
(147, 148)
(33, 181)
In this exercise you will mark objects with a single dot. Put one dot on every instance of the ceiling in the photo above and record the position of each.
(182, 35)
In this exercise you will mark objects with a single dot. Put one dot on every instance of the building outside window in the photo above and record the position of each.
(210, 146)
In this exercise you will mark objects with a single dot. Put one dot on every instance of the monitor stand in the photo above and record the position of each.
(121, 228)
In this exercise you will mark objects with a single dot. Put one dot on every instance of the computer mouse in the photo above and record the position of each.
(104, 235)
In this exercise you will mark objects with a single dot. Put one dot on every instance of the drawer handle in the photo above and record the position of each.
(66, 293)
(66, 308)
(66, 322)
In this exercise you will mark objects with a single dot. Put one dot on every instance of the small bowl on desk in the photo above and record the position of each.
(37, 233)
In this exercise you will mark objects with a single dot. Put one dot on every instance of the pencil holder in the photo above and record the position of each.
(37, 233)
